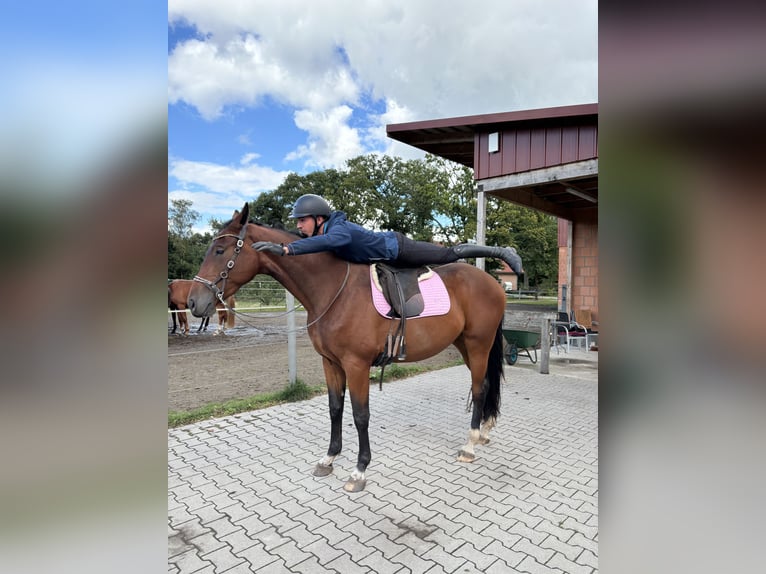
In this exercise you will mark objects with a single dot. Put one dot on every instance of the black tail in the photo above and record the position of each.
(494, 377)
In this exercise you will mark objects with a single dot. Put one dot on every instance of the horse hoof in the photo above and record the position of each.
(463, 456)
(322, 470)
(483, 440)
(355, 485)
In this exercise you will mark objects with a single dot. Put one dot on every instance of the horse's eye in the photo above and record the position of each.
(219, 250)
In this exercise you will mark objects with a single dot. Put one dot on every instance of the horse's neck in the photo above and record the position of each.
(314, 279)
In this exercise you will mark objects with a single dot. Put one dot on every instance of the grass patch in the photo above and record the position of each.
(292, 393)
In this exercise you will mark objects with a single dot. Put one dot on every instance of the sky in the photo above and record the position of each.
(258, 89)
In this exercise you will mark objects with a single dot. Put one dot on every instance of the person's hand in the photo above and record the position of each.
(269, 247)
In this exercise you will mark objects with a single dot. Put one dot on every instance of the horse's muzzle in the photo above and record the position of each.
(201, 306)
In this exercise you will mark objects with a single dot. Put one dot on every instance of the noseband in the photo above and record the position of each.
(213, 286)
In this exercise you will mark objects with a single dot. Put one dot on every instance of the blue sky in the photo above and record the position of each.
(258, 89)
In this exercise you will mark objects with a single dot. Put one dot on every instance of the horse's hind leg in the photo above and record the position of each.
(478, 389)
(467, 454)
(336, 391)
(183, 322)
(488, 425)
(221, 323)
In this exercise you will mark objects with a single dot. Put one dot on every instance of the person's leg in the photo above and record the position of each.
(507, 254)
(415, 253)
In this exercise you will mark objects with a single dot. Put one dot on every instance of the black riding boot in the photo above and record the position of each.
(507, 254)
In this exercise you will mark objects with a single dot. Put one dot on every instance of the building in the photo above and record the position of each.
(545, 159)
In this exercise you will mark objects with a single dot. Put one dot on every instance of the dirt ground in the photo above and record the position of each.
(249, 359)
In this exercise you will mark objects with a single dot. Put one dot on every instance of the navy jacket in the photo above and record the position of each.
(349, 241)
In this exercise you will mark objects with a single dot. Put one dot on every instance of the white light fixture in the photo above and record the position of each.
(494, 142)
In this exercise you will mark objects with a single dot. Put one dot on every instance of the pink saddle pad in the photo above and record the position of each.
(435, 296)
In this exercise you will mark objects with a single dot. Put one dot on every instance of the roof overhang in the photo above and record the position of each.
(568, 189)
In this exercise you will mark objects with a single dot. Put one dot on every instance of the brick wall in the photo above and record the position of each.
(584, 289)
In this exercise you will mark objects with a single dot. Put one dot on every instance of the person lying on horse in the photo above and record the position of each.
(323, 229)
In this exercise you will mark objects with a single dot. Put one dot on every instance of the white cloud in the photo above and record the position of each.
(331, 141)
(248, 158)
(247, 179)
(216, 190)
(377, 138)
(210, 76)
(218, 205)
(424, 60)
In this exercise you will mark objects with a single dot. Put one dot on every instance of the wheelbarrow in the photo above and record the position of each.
(524, 341)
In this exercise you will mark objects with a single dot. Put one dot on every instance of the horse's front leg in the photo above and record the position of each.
(336, 391)
(359, 385)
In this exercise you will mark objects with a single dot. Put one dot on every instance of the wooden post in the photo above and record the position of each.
(292, 356)
(545, 345)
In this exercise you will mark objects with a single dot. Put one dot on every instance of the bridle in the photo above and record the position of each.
(218, 293)
(224, 275)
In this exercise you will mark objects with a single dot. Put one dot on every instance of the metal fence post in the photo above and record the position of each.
(545, 345)
(292, 358)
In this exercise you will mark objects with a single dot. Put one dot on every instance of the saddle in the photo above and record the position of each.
(401, 289)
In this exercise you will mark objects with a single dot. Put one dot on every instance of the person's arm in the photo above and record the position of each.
(337, 236)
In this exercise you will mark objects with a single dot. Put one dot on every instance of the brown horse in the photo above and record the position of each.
(178, 293)
(348, 332)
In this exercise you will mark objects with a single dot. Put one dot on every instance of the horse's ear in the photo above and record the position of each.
(245, 214)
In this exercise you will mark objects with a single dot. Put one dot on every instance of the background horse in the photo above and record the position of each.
(226, 316)
(178, 293)
(349, 334)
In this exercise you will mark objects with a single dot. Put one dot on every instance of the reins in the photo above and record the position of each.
(295, 307)
(224, 275)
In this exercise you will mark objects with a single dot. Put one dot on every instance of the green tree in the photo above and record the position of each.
(186, 249)
(274, 206)
(181, 217)
(533, 233)
(454, 201)
(185, 254)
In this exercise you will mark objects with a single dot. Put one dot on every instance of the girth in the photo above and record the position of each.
(401, 289)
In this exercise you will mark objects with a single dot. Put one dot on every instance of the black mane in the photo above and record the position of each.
(276, 225)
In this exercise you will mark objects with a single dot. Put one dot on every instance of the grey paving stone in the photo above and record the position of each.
(587, 558)
(242, 485)
(532, 566)
(257, 557)
(188, 561)
(565, 565)
(510, 558)
(223, 559)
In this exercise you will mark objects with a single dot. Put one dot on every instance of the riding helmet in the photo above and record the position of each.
(310, 204)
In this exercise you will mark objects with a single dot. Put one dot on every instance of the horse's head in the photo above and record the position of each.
(229, 263)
